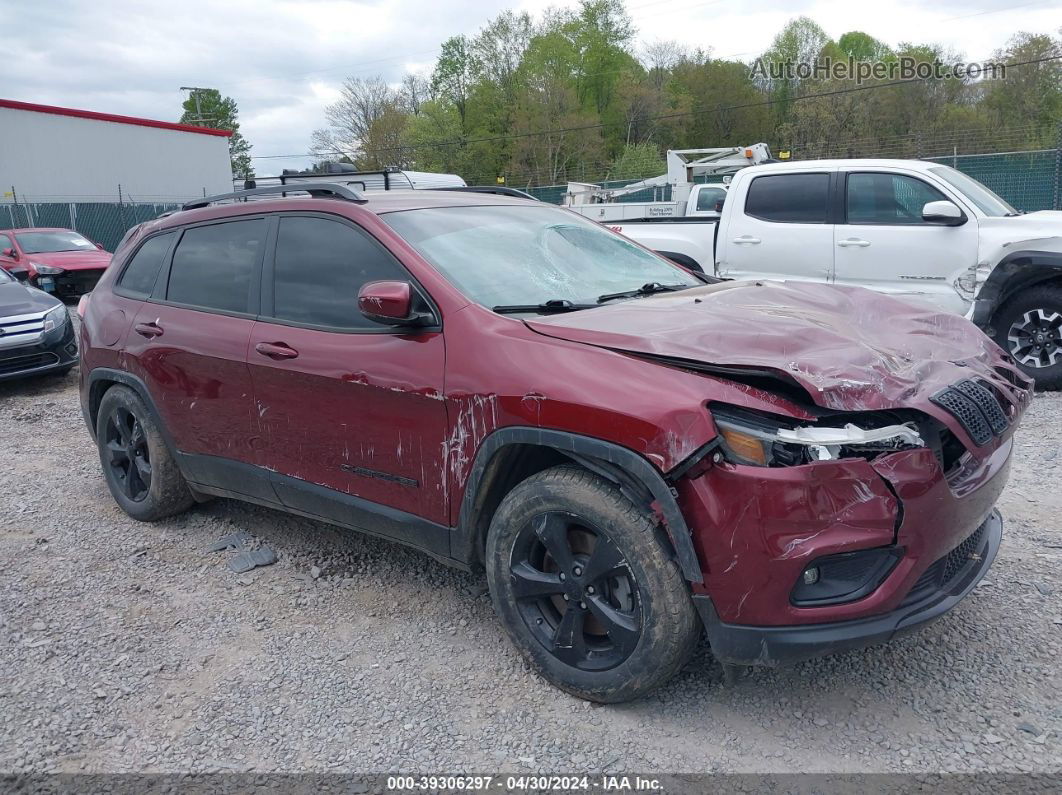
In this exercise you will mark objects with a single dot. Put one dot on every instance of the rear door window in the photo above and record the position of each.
(789, 198)
(320, 266)
(139, 275)
(215, 267)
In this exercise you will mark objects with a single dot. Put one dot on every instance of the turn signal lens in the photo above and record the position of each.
(745, 446)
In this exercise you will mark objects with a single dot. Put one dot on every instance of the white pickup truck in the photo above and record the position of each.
(907, 227)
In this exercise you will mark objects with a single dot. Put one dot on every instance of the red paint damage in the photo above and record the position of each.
(418, 405)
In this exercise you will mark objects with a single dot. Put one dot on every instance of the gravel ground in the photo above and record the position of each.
(125, 647)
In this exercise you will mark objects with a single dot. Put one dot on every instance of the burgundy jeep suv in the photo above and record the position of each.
(630, 452)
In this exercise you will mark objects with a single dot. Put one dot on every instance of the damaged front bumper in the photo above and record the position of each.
(886, 525)
(939, 589)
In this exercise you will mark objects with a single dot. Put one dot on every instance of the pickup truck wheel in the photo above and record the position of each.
(140, 472)
(586, 591)
(1029, 328)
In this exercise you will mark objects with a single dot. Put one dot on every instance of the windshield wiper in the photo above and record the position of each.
(646, 289)
(555, 305)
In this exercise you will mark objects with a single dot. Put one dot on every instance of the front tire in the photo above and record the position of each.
(140, 472)
(1029, 328)
(585, 589)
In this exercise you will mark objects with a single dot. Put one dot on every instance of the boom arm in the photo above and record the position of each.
(683, 167)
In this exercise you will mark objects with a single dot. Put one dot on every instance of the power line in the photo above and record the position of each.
(659, 117)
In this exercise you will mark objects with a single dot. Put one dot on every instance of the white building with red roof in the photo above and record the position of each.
(52, 154)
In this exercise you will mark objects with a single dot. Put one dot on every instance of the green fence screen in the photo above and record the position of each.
(1028, 180)
(101, 222)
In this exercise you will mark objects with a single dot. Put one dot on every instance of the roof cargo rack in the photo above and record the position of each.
(498, 190)
(319, 190)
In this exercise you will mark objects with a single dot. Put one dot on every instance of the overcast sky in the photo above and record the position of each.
(283, 60)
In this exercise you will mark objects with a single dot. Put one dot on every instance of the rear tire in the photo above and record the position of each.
(585, 589)
(140, 472)
(1029, 328)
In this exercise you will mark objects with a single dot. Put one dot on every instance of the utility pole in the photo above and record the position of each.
(195, 95)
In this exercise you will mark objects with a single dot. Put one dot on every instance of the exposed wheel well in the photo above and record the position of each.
(508, 467)
(96, 392)
(515, 463)
(1047, 277)
(1015, 274)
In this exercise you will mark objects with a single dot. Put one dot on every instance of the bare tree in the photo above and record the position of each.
(362, 102)
(414, 92)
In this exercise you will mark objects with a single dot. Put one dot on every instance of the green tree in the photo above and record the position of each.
(1030, 94)
(205, 107)
(860, 46)
(454, 73)
(638, 161)
(562, 96)
(800, 42)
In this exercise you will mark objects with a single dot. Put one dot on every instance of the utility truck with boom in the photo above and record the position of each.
(689, 199)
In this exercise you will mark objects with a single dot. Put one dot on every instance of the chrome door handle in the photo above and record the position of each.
(747, 239)
(853, 241)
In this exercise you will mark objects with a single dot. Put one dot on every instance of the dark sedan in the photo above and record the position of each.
(36, 334)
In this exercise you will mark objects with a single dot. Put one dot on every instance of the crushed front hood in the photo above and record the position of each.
(850, 349)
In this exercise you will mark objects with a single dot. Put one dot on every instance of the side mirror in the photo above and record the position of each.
(719, 205)
(391, 303)
(99, 246)
(9, 253)
(944, 213)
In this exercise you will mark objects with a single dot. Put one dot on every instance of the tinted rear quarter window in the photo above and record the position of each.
(708, 197)
(140, 274)
(789, 198)
(320, 266)
(214, 266)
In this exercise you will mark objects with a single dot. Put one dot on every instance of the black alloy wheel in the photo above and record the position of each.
(127, 453)
(575, 591)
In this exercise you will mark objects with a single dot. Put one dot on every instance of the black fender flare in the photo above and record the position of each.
(1015, 272)
(683, 260)
(636, 477)
(88, 411)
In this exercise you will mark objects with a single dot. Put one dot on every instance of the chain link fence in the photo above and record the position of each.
(1029, 180)
(101, 222)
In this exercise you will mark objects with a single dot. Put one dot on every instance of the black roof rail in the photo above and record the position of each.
(499, 190)
(319, 190)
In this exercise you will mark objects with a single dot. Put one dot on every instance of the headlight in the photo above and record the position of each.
(55, 318)
(46, 270)
(759, 439)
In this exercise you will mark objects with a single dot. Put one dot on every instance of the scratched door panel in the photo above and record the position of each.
(362, 414)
